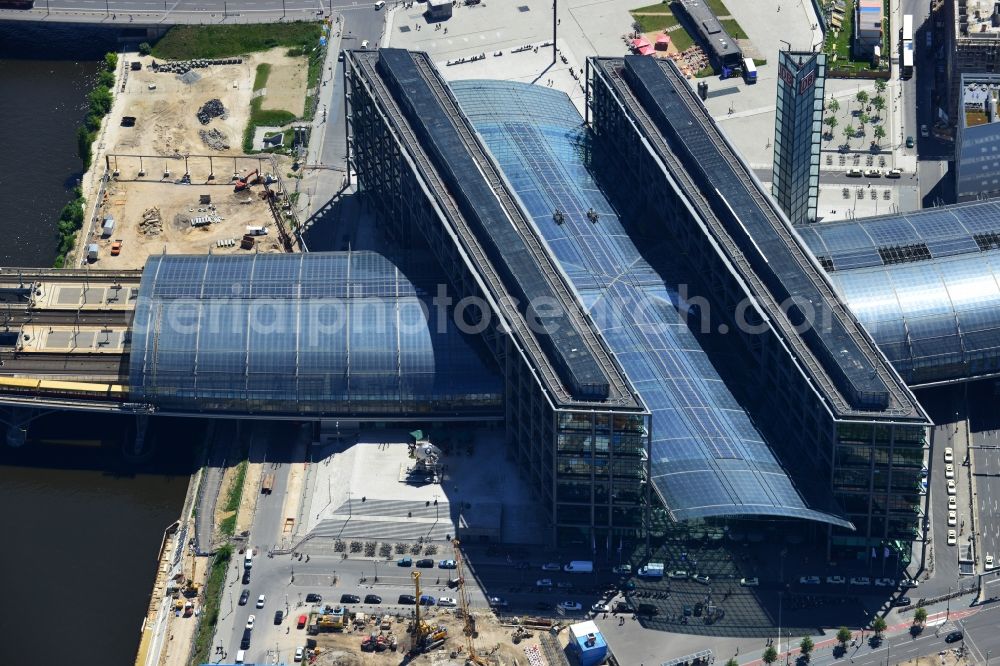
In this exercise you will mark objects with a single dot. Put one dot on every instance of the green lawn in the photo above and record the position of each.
(681, 39)
(838, 43)
(733, 28)
(718, 7)
(655, 22)
(221, 41)
(209, 616)
(260, 78)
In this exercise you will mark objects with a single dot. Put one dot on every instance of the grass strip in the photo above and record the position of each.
(209, 616)
(183, 42)
(236, 488)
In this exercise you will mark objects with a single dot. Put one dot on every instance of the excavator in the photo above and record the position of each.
(246, 181)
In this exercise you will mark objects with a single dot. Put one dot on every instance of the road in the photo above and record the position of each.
(918, 109)
(985, 433)
(147, 12)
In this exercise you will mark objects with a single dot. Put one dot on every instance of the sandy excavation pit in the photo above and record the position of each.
(153, 217)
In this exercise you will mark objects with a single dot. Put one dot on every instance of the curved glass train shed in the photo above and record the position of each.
(708, 457)
(342, 334)
(925, 284)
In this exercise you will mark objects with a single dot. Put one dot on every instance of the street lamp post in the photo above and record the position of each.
(947, 612)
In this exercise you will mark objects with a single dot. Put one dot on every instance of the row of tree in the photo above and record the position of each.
(865, 103)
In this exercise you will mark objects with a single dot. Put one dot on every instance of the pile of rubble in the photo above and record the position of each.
(214, 139)
(151, 224)
(184, 66)
(211, 109)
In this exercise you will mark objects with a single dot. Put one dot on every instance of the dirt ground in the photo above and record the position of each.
(493, 643)
(175, 206)
(286, 85)
(166, 122)
(945, 658)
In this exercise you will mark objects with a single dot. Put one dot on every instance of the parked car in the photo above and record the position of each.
(364, 44)
(350, 599)
(404, 562)
(894, 173)
(543, 582)
(425, 564)
(447, 602)
(952, 537)
(836, 580)
(952, 502)
(861, 580)
(952, 518)
(250, 621)
(924, 132)
(298, 654)
(244, 597)
(622, 569)
(954, 637)
(703, 579)
(679, 574)
(601, 608)
(407, 599)
(909, 142)
(855, 173)
(564, 585)
(749, 582)
(901, 601)
(873, 173)
(907, 583)
(427, 600)
(497, 602)
(989, 561)
(949, 454)
(260, 601)
(551, 566)
(810, 580)
(952, 488)
(313, 598)
(246, 576)
(949, 471)
(373, 599)
(885, 582)
(447, 564)
(571, 605)
(279, 616)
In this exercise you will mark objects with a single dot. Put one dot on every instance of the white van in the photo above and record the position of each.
(579, 566)
(240, 656)
(248, 560)
(379, 5)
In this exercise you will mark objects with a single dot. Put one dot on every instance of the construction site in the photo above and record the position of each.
(235, 211)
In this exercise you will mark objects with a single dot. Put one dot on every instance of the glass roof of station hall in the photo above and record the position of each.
(342, 334)
(708, 458)
(925, 284)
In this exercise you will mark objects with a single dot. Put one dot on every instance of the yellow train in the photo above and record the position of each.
(60, 388)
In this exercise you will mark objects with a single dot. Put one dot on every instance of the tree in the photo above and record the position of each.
(879, 133)
(862, 97)
(878, 102)
(920, 615)
(863, 119)
(732, 662)
(843, 635)
(880, 86)
(833, 106)
(770, 655)
(806, 646)
(878, 625)
(110, 61)
(145, 48)
(849, 132)
(831, 122)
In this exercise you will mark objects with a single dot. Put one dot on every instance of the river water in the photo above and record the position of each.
(81, 525)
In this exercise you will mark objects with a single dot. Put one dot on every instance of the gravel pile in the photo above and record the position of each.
(152, 223)
(214, 139)
(211, 109)
(190, 77)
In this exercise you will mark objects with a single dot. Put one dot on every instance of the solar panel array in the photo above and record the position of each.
(708, 458)
(752, 221)
(320, 333)
(937, 316)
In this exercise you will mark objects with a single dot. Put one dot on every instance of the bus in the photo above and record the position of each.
(17, 4)
(906, 48)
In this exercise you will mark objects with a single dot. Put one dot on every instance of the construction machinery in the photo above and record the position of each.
(247, 180)
(470, 630)
(425, 637)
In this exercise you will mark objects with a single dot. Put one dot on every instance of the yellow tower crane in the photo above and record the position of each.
(463, 599)
(420, 628)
